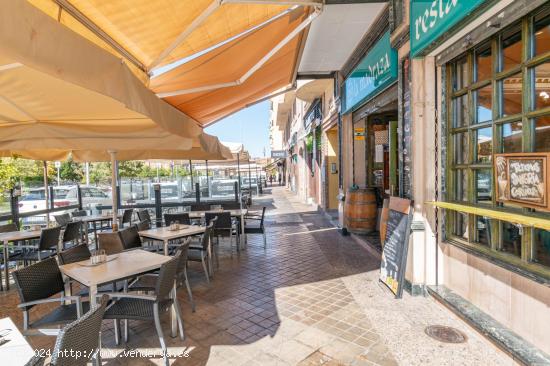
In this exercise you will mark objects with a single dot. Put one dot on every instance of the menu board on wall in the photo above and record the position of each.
(522, 178)
(405, 161)
(394, 252)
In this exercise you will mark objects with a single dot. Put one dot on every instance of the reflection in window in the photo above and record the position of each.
(542, 35)
(511, 239)
(461, 228)
(483, 63)
(511, 51)
(483, 98)
(461, 185)
(460, 75)
(511, 137)
(511, 95)
(542, 247)
(460, 106)
(483, 230)
(542, 134)
(461, 148)
(542, 86)
(484, 142)
(484, 185)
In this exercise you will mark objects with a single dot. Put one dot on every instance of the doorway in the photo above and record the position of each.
(381, 153)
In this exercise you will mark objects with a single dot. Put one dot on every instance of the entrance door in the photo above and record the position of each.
(382, 154)
(332, 168)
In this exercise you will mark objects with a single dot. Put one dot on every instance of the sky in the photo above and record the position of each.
(249, 126)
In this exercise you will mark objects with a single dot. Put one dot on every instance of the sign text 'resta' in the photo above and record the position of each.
(431, 18)
(375, 72)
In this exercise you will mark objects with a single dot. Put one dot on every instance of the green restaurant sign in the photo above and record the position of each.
(431, 18)
(375, 72)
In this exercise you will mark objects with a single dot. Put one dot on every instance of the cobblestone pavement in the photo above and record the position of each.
(310, 298)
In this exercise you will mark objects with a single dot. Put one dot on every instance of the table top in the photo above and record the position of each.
(20, 235)
(164, 233)
(125, 265)
(16, 351)
(94, 218)
(236, 212)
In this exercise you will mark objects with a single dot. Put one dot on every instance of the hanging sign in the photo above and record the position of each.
(396, 244)
(359, 133)
(430, 19)
(522, 178)
(375, 72)
(278, 154)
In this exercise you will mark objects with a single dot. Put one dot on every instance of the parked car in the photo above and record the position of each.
(35, 199)
(91, 197)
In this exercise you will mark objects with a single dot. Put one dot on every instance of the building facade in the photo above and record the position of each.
(432, 97)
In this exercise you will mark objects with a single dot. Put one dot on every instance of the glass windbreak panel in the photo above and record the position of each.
(134, 191)
(541, 247)
(542, 134)
(460, 109)
(461, 225)
(511, 239)
(461, 148)
(542, 86)
(461, 185)
(94, 198)
(484, 185)
(483, 104)
(511, 51)
(542, 34)
(511, 98)
(460, 75)
(511, 137)
(483, 63)
(483, 230)
(484, 144)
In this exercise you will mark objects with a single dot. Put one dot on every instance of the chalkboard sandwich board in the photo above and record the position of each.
(522, 178)
(394, 252)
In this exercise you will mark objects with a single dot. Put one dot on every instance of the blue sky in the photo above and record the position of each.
(249, 126)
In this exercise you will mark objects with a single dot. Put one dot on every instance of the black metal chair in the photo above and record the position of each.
(180, 217)
(127, 217)
(79, 213)
(130, 238)
(36, 284)
(147, 282)
(72, 234)
(111, 243)
(63, 219)
(257, 229)
(132, 306)
(143, 215)
(203, 253)
(47, 246)
(223, 227)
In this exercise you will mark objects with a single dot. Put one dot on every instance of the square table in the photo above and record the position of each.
(240, 213)
(127, 264)
(12, 236)
(164, 233)
(15, 352)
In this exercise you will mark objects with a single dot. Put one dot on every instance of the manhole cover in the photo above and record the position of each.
(445, 334)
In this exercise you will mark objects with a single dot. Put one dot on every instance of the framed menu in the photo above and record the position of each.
(522, 178)
(396, 244)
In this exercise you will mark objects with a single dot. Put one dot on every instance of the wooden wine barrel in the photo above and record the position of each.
(360, 211)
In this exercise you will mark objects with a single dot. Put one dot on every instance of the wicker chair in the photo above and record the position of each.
(127, 217)
(143, 215)
(71, 234)
(74, 254)
(47, 246)
(224, 227)
(36, 284)
(14, 253)
(130, 238)
(63, 219)
(203, 253)
(143, 225)
(132, 306)
(111, 243)
(182, 218)
(147, 282)
(260, 229)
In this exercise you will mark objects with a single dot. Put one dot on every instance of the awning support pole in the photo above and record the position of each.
(46, 191)
(114, 191)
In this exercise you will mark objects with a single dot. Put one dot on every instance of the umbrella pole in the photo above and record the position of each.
(240, 198)
(114, 190)
(46, 191)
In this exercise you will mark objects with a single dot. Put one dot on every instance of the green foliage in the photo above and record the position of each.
(100, 173)
(71, 171)
(130, 169)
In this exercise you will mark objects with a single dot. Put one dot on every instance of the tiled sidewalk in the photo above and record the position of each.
(309, 298)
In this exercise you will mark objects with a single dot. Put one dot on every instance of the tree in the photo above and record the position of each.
(130, 169)
(71, 171)
(100, 172)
